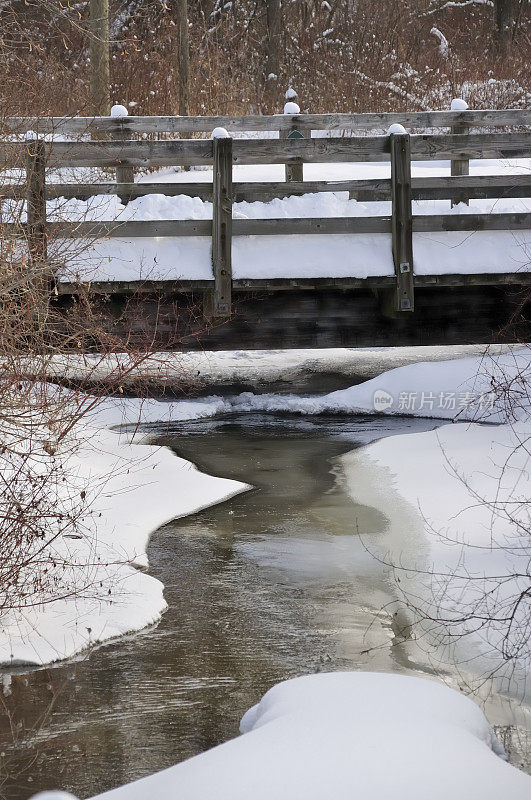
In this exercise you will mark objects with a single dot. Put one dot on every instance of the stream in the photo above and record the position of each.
(269, 585)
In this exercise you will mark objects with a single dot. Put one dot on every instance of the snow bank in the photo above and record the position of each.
(256, 369)
(348, 735)
(132, 490)
(460, 389)
(464, 492)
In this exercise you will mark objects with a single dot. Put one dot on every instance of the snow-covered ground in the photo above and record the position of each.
(348, 735)
(257, 369)
(132, 490)
(460, 388)
(339, 255)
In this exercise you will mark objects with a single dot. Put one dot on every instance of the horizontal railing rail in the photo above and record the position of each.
(363, 189)
(425, 223)
(490, 118)
(384, 282)
(199, 152)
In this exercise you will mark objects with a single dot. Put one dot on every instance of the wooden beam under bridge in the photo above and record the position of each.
(314, 313)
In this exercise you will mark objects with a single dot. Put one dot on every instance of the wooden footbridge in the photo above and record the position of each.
(399, 308)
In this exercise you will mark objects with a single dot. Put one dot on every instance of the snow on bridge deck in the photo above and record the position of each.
(300, 256)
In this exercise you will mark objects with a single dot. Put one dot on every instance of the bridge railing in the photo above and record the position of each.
(123, 127)
(223, 154)
(415, 120)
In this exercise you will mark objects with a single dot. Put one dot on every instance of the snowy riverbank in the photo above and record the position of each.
(345, 735)
(258, 370)
(132, 490)
(461, 492)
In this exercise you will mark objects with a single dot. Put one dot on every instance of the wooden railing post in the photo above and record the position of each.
(294, 170)
(220, 302)
(42, 280)
(125, 174)
(36, 202)
(459, 166)
(402, 221)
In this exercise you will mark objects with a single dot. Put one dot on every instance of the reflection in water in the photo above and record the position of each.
(269, 585)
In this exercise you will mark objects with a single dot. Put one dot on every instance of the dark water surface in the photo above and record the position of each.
(269, 585)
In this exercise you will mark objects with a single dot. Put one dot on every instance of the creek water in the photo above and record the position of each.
(271, 584)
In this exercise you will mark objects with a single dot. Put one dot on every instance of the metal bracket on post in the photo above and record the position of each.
(402, 220)
(218, 304)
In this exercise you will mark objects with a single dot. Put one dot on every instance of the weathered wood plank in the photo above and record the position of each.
(320, 151)
(294, 171)
(130, 230)
(401, 221)
(476, 186)
(289, 284)
(472, 222)
(182, 152)
(124, 174)
(36, 203)
(370, 121)
(377, 189)
(240, 227)
(222, 228)
(327, 225)
(283, 227)
(474, 145)
(376, 148)
(132, 190)
(140, 287)
(273, 151)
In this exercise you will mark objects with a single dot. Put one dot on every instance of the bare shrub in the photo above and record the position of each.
(355, 56)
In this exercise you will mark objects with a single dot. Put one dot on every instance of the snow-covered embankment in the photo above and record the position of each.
(132, 489)
(344, 736)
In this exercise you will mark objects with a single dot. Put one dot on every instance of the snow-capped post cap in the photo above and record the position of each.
(458, 104)
(54, 794)
(220, 133)
(291, 108)
(119, 111)
(291, 94)
(395, 128)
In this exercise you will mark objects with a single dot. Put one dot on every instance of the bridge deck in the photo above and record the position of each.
(161, 237)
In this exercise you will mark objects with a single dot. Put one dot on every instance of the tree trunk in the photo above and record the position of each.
(272, 61)
(99, 57)
(504, 25)
(182, 56)
(274, 18)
